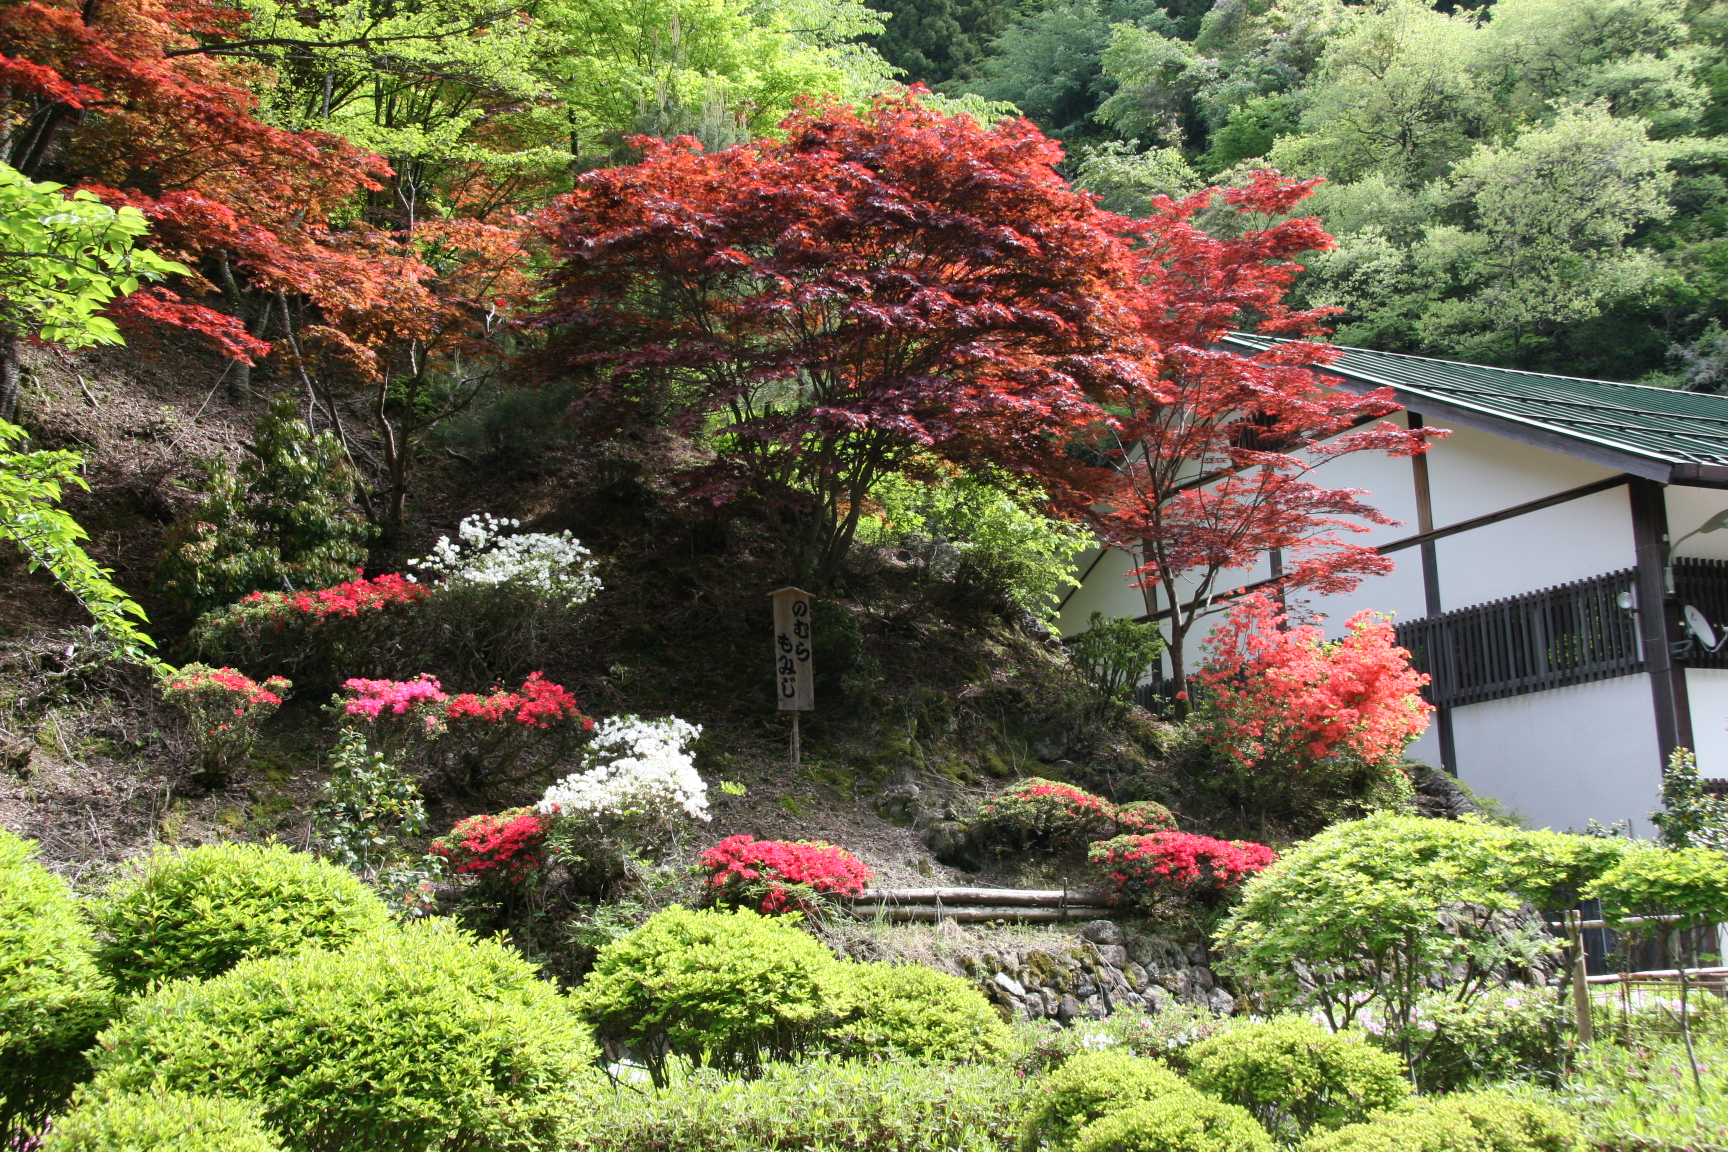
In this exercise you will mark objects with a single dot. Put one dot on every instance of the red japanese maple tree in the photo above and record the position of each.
(1213, 461)
(879, 283)
(134, 100)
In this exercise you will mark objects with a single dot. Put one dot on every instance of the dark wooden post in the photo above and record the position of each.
(1659, 627)
(1431, 591)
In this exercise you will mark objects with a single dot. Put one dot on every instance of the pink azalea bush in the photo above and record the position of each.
(780, 876)
(476, 738)
(1037, 814)
(1145, 869)
(223, 709)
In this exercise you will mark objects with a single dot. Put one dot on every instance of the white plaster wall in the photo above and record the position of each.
(1707, 690)
(1688, 508)
(1568, 755)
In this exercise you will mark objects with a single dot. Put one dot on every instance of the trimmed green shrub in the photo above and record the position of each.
(724, 989)
(1091, 1086)
(1502, 1034)
(409, 1041)
(820, 1104)
(1166, 1035)
(911, 1010)
(200, 912)
(1039, 815)
(1183, 1122)
(1466, 1122)
(160, 1122)
(1143, 816)
(53, 999)
(1294, 1075)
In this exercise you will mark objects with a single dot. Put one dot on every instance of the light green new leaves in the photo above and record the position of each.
(63, 259)
(1687, 882)
(1359, 915)
(30, 487)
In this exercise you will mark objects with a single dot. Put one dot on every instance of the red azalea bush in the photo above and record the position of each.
(357, 626)
(1143, 869)
(1289, 698)
(1039, 814)
(223, 709)
(477, 739)
(779, 875)
(507, 847)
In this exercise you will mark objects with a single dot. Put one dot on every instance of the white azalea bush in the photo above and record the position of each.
(636, 794)
(502, 600)
(556, 567)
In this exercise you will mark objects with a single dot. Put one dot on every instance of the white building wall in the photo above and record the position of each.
(1568, 755)
(1707, 690)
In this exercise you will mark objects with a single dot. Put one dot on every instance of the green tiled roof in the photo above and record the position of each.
(1660, 433)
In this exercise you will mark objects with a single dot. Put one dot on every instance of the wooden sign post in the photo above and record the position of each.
(794, 686)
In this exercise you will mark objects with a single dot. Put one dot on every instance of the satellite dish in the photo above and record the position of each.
(1699, 627)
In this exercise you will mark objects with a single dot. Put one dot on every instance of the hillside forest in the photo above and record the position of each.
(436, 434)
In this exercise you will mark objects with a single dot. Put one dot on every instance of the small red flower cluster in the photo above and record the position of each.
(345, 600)
(508, 846)
(781, 875)
(1140, 868)
(539, 703)
(1293, 698)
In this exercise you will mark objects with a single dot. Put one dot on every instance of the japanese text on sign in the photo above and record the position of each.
(794, 685)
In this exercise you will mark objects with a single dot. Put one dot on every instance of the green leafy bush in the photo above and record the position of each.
(1090, 1086)
(1183, 1122)
(1466, 1122)
(160, 1122)
(1167, 1035)
(908, 1010)
(1115, 654)
(53, 998)
(1363, 919)
(1500, 1034)
(1294, 1075)
(819, 1104)
(1643, 1098)
(1688, 882)
(200, 912)
(725, 989)
(284, 519)
(414, 1040)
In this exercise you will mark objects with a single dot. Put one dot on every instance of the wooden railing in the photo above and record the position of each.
(974, 905)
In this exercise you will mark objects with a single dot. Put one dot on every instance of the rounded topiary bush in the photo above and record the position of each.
(53, 999)
(1144, 816)
(200, 912)
(908, 1010)
(1091, 1086)
(1464, 1122)
(1181, 1122)
(408, 1041)
(727, 989)
(1041, 815)
(160, 1122)
(1295, 1075)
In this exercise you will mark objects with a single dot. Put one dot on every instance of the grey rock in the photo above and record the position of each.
(1138, 975)
(1104, 932)
(1098, 1007)
(1010, 985)
(1196, 953)
(1157, 999)
(1067, 1008)
(1085, 986)
(1200, 978)
(1114, 955)
(1221, 1002)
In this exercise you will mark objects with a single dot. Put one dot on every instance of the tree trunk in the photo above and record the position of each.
(9, 377)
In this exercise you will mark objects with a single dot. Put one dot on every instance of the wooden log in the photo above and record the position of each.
(1027, 897)
(975, 913)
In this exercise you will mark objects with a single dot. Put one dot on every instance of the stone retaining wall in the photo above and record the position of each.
(1103, 971)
